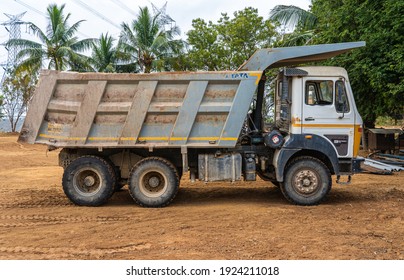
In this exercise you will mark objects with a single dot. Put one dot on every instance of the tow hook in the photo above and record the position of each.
(344, 183)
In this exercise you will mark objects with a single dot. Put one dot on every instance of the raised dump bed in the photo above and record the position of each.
(196, 109)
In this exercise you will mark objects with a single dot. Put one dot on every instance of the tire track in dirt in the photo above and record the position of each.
(70, 252)
(35, 220)
(35, 204)
(29, 198)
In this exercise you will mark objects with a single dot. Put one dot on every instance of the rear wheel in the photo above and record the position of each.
(88, 181)
(307, 181)
(153, 182)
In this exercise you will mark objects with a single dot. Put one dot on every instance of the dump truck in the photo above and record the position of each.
(148, 130)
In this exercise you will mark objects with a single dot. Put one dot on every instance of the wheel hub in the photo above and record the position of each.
(154, 182)
(89, 181)
(306, 182)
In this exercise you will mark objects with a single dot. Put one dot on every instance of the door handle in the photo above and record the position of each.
(309, 119)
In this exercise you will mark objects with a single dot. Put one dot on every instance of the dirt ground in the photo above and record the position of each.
(215, 221)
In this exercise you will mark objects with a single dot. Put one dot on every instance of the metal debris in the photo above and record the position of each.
(378, 167)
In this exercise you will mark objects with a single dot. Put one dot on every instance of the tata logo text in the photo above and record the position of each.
(237, 76)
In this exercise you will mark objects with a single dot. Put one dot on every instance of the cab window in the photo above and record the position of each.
(319, 92)
(341, 99)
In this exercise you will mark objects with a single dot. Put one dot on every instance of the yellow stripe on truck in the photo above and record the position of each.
(256, 74)
(157, 138)
(357, 140)
(326, 125)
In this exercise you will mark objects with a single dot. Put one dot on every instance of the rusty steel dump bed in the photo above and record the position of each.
(194, 109)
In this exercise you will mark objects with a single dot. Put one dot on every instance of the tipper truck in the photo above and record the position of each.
(147, 130)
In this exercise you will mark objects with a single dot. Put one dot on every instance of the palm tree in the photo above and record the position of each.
(58, 46)
(147, 41)
(104, 57)
(303, 22)
(293, 16)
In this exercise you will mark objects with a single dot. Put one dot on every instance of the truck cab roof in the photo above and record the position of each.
(324, 71)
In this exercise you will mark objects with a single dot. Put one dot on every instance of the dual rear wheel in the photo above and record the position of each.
(91, 181)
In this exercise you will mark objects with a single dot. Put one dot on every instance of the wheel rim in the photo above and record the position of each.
(306, 182)
(87, 181)
(153, 183)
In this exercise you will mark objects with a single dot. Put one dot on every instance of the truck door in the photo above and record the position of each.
(327, 112)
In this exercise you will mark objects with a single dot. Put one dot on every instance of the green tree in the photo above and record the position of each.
(229, 42)
(18, 87)
(377, 70)
(58, 45)
(206, 50)
(178, 61)
(148, 42)
(104, 56)
(302, 22)
(244, 34)
(293, 16)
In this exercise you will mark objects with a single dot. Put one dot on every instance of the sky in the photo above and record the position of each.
(104, 16)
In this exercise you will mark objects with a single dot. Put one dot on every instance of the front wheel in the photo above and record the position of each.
(307, 181)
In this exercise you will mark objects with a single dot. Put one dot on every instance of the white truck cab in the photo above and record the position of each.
(316, 113)
(323, 104)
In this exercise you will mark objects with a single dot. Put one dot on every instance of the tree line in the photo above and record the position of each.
(148, 44)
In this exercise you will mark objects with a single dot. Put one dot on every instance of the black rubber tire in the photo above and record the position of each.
(158, 171)
(263, 177)
(307, 181)
(267, 179)
(90, 168)
(118, 184)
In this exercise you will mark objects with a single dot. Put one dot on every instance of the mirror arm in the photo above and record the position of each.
(343, 111)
